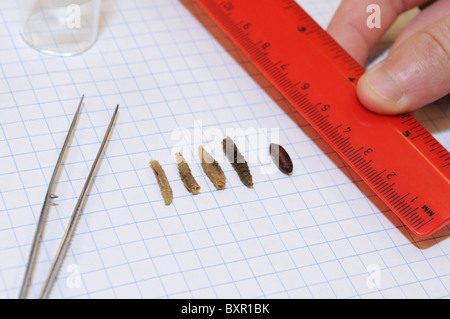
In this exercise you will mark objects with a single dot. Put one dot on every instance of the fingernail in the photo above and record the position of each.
(384, 84)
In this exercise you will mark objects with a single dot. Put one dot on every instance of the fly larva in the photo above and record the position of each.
(212, 169)
(281, 158)
(186, 175)
(237, 161)
(166, 190)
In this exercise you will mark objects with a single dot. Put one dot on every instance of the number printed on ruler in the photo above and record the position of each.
(395, 155)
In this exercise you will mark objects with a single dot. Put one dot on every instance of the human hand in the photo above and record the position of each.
(417, 69)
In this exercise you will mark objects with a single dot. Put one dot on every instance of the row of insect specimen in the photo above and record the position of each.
(213, 170)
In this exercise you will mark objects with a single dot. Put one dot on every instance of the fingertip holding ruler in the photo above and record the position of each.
(395, 155)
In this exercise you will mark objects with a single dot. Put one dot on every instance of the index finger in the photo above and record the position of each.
(350, 29)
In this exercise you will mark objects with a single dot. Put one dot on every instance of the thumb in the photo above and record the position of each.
(415, 73)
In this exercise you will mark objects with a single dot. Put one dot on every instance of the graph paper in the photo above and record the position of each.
(320, 233)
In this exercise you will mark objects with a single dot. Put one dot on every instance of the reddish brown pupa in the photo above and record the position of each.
(281, 158)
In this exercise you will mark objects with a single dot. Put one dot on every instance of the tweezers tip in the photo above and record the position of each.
(117, 109)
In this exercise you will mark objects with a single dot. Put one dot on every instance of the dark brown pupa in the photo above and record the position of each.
(163, 182)
(186, 175)
(238, 161)
(212, 169)
(281, 158)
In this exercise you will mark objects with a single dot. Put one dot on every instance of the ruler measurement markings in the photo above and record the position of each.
(326, 125)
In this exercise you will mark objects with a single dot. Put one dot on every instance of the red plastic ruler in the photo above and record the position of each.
(395, 155)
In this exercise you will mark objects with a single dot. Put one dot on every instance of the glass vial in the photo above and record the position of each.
(60, 27)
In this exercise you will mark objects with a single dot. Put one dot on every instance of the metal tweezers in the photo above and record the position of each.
(65, 241)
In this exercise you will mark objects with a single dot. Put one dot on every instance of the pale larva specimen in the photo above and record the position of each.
(238, 161)
(166, 190)
(186, 175)
(212, 169)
